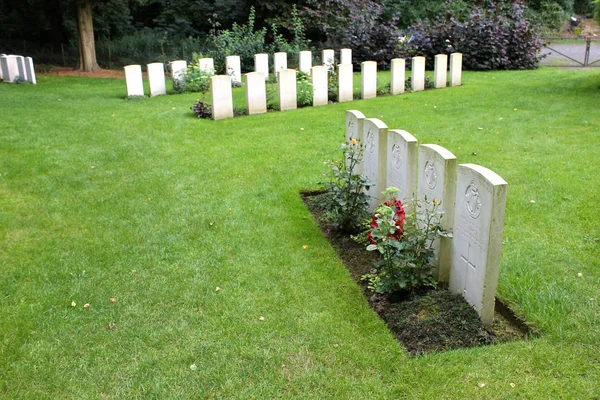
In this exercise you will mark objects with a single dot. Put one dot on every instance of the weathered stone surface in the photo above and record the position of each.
(320, 85)
(279, 62)
(440, 74)
(222, 99)
(207, 65)
(368, 79)
(30, 70)
(234, 68)
(477, 242)
(375, 134)
(456, 69)
(346, 56)
(437, 181)
(287, 90)
(133, 80)
(345, 82)
(305, 62)
(354, 130)
(156, 79)
(256, 94)
(417, 77)
(402, 158)
(261, 64)
(178, 69)
(398, 72)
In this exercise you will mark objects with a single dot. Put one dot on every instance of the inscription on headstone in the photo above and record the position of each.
(375, 134)
(402, 156)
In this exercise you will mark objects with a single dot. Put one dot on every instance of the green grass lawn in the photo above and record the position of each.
(102, 197)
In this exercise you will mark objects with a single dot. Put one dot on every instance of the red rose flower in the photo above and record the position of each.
(399, 218)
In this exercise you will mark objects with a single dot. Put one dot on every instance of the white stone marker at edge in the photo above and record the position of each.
(287, 90)
(156, 79)
(375, 134)
(440, 74)
(437, 181)
(305, 61)
(354, 130)
(261, 64)
(456, 69)
(233, 66)
(398, 72)
(256, 94)
(368, 79)
(133, 80)
(417, 77)
(477, 237)
(320, 86)
(222, 99)
(9, 68)
(30, 70)
(346, 56)
(345, 82)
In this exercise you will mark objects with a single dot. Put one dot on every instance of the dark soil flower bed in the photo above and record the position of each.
(427, 321)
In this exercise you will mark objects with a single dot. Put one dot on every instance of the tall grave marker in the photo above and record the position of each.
(256, 93)
(440, 74)
(368, 79)
(220, 91)
(402, 156)
(345, 82)
(417, 78)
(133, 80)
(375, 134)
(287, 90)
(398, 75)
(320, 86)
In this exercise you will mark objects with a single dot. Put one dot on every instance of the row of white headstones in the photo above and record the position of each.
(472, 198)
(256, 98)
(13, 67)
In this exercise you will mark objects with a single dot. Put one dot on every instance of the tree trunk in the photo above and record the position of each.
(87, 48)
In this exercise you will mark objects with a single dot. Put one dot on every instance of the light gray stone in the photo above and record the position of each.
(21, 68)
(417, 77)
(156, 79)
(320, 85)
(368, 80)
(440, 74)
(328, 57)
(398, 72)
(222, 99)
(133, 80)
(456, 69)
(305, 62)
(10, 69)
(234, 68)
(345, 82)
(286, 86)
(178, 69)
(207, 65)
(261, 64)
(375, 134)
(437, 181)
(354, 130)
(402, 157)
(256, 94)
(279, 62)
(30, 70)
(2, 56)
(346, 56)
(477, 237)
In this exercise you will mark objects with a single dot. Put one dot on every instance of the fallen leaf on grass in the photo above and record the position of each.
(512, 385)
(86, 306)
(305, 247)
(111, 325)
(193, 367)
(73, 304)
(579, 274)
(481, 384)
(217, 289)
(261, 318)
(113, 300)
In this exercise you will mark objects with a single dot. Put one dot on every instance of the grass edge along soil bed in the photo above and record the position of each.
(427, 321)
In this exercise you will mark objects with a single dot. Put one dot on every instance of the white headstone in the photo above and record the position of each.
(346, 56)
(256, 94)
(261, 64)
(178, 69)
(234, 68)
(375, 135)
(222, 99)
(21, 68)
(9, 68)
(287, 90)
(477, 237)
(417, 77)
(437, 181)
(455, 69)
(133, 79)
(2, 61)
(30, 70)
(402, 158)
(328, 57)
(398, 72)
(354, 130)
(305, 63)
(156, 79)
(320, 85)
(368, 79)
(345, 82)
(279, 62)
(440, 71)
(207, 65)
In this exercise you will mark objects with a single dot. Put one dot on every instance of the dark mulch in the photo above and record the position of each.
(426, 321)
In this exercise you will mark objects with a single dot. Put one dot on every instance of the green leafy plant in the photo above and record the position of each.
(405, 243)
(202, 109)
(332, 85)
(304, 89)
(347, 201)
